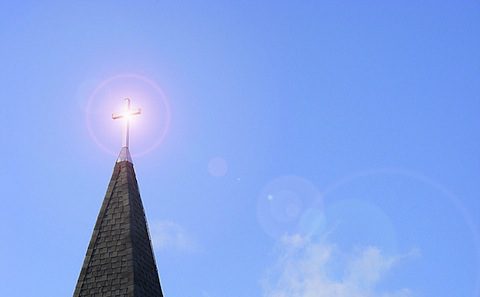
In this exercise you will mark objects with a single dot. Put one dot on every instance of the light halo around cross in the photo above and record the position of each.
(147, 132)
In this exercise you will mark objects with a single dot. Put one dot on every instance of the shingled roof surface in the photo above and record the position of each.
(119, 259)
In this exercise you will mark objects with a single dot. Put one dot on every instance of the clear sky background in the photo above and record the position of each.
(314, 149)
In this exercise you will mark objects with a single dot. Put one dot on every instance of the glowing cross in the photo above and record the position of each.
(126, 115)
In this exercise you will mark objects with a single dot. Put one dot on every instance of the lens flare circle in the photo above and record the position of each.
(285, 206)
(217, 167)
(452, 199)
(107, 98)
(360, 222)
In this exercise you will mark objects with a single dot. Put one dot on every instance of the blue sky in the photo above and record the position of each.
(313, 149)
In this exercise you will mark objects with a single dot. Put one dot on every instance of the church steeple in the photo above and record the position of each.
(119, 260)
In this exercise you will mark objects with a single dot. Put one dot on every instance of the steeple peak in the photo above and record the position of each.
(124, 155)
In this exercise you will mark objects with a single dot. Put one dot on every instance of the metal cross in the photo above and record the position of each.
(126, 114)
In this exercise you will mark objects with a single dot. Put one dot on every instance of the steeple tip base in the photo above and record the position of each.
(124, 155)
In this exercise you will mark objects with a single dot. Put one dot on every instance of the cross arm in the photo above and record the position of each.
(126, 114)
(117, 116)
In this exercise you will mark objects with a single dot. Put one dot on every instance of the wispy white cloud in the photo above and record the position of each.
(170, 235)
(309, 269)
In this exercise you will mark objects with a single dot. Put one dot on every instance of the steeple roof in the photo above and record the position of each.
(119, 259)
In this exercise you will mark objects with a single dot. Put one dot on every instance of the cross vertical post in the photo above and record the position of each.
(126, 131)
(126, 115)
